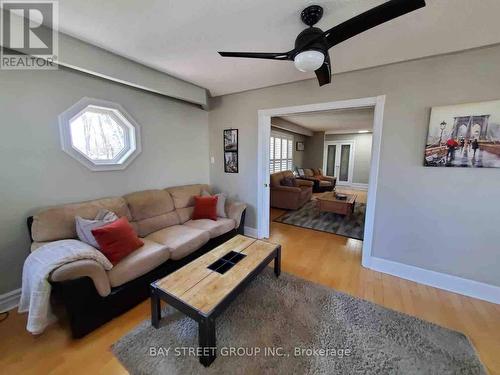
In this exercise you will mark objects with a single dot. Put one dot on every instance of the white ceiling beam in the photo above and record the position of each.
(81, 56)
(281, 123)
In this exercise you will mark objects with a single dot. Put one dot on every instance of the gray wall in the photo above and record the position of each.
(362, 154)
(313, 157)
(442, 219)
(298, 156)
(35, 172)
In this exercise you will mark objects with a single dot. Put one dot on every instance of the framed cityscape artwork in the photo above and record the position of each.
(464, 135)
(231, 150)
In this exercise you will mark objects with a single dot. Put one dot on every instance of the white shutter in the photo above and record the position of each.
(280, 153)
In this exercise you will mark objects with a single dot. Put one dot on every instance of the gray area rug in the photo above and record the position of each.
(308, 216)
(311, 328)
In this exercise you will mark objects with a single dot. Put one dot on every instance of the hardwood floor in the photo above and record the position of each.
(321, 257)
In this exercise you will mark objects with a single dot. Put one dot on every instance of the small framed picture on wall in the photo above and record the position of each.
(230, 140)
(231, 162)
(299, 146)
(230, 150)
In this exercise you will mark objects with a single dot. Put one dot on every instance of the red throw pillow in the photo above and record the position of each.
(117, 239)
(205, 208)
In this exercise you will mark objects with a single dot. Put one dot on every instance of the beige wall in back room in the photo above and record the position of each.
(36, 173)
(313, 157)
(423, 216)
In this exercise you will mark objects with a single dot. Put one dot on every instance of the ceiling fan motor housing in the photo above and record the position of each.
(311, 39)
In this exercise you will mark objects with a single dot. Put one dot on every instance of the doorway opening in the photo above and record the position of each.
(332, 155)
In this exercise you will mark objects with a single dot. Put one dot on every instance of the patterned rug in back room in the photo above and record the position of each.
(308, 216)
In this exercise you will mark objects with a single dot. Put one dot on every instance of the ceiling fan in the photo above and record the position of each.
(312, 44)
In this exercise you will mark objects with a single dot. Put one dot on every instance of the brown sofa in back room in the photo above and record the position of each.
(289, 197)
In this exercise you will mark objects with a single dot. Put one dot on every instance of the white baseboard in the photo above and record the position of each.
(250, 232)
(467, 287)
(10, 300)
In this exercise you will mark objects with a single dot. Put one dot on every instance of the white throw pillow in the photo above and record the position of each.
(84, 226)
(221, 202)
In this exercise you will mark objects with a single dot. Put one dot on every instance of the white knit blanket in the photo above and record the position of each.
(35, 295)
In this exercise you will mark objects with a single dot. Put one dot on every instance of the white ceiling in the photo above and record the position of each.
(182, 37)
(338, 121)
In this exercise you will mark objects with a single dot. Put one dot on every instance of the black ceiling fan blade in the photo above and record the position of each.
(324, 73)
(371, 18)
(259, 55)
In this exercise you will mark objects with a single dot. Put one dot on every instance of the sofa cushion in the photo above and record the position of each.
(117, 239)
(147, 226)
(184, 214)
(275, 178)
(183, 196)
(308, 172)
(289, 181)
(205, 208)
(84, 226)
(151, 210)
(58, 223)
(215, 228)
(138, 263)
(221, 202)
(181, 240)
(149, 203)
(325, 183)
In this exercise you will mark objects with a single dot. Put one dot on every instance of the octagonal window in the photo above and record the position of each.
(101, 135)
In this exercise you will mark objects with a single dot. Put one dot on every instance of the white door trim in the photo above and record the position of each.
(350, 142)
(264, 132)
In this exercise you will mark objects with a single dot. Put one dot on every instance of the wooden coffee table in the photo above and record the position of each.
(204, 288)
(328, 202)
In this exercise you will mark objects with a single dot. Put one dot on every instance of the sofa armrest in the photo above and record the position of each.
(304, 182)
(234, 210)
(331, 179)
(288, 189)
(84, 268)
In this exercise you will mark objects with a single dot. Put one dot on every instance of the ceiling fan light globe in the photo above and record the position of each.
(309, 61)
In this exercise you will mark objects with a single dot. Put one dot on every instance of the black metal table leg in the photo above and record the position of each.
(155, 309)
(206, 332)
(277, 262)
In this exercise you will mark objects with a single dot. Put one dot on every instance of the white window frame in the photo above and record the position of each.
(289, 158)
(132, 132)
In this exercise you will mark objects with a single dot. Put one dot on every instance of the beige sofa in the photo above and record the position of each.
(162, 218)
